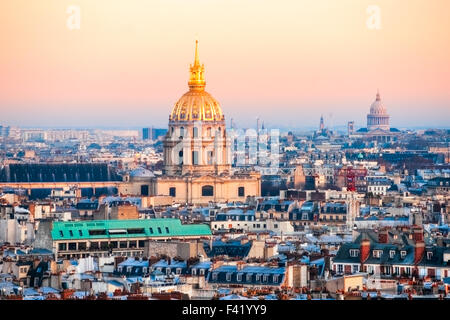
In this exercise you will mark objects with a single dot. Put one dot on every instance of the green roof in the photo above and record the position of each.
(101, 229)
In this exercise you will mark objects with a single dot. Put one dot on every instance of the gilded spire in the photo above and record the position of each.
(197, 73)
(197, 61)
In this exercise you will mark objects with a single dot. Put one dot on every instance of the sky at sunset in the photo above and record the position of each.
(285, 61)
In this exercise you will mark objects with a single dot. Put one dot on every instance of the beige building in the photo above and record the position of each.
(197, 153)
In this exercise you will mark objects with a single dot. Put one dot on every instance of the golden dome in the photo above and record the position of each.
(197, 104)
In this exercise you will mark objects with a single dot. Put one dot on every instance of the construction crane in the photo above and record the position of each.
(350, 176)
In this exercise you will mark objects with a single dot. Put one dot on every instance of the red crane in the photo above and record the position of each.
(351, 175)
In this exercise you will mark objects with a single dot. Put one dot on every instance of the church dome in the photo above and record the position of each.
(377, 107)
(141, 173)
(196, 104)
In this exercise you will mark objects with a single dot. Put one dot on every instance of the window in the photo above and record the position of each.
(214, 276)
(61, 233)
(178, 271)
(340, 268)
(265, 278)
(129, 269)
(80, 233)
(429, 255)
(151, 230)
(167, 230)
(402, 253)
(354, 252)
(62, 246)
(182, 132)
(132, 244)
(202, 272)
(123, 244)
(248, 277)
(172, 192)
(195, 132)
(180, 157)
(241, 192)
(100, 232)
(167, 271)
(275, 278)
(377, 253)
(71, 233)
(136, 231)
(159, 230)
(239, 277)
(207, 191)
(195, 157)
(392, 254)
(355, 268)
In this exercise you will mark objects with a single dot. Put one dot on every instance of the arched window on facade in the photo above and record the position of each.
(207, 191)
(195, 132)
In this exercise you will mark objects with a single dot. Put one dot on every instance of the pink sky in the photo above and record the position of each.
(285, 61)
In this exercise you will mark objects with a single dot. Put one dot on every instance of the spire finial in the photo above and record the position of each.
(197, 77)
(196, 61)
(378, 95)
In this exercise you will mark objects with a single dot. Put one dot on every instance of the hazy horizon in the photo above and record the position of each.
(286, 63)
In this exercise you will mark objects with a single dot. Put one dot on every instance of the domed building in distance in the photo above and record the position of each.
(378, 117)
(378, 127)
(197, 152)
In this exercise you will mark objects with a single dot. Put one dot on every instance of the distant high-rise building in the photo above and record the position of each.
(152, 133)
(350, 127)
(146, 133)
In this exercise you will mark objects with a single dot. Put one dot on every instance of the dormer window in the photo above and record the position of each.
(239, 277)
(429, 255)
(403, 253)
(354, 252)
(377, 253)
(214, 276)
(202, 272)
(194, 272)
(392, 254)
(228, 276)
(275, 278)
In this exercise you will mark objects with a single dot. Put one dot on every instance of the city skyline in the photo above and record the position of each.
(289, 66)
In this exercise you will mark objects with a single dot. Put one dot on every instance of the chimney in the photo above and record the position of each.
(383, 236)
(418, 235)
(419, 250)
(365, 250)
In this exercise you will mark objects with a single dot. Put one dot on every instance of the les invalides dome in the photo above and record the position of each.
(196, 104)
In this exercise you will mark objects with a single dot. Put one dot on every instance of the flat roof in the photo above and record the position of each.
(147, 228)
